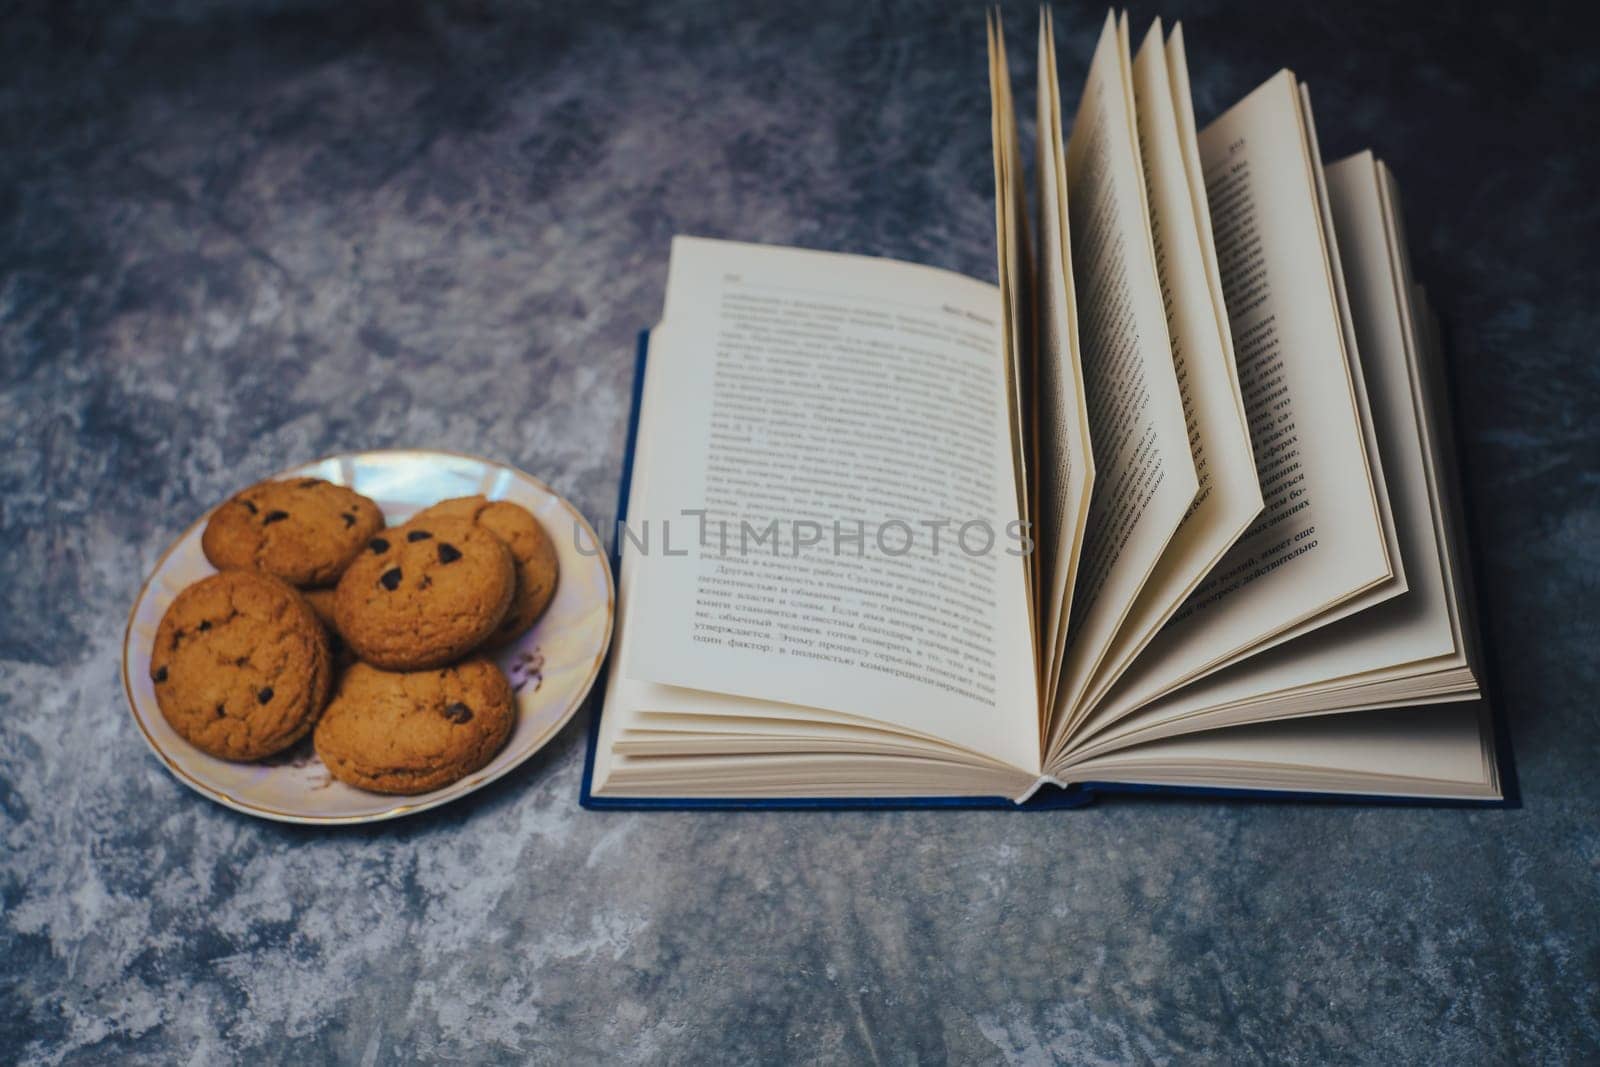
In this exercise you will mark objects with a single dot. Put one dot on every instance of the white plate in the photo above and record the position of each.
(551, 667)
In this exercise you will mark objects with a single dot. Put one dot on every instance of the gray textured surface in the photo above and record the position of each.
(236, 235)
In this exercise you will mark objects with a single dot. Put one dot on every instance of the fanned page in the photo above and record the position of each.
(1144, 473)
(1396, 583)
(1322, 538)
(833, 417)
(1229, 496)
(1066, 461)
(1438, 426)
(1015, 270)
(1411, 648)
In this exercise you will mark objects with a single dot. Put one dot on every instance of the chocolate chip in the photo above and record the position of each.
(205, 625)
(249, 505)
(307, 483)
(349, 519)
(160, 675)
(458, 713)
(448, 553)
(378, 545)
(222, 709)
(418, 535)
(273, 516)
(391, 579)
(265, 695)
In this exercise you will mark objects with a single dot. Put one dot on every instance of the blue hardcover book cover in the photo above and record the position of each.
(1045, 798)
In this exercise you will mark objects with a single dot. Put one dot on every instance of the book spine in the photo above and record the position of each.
(1039, 783)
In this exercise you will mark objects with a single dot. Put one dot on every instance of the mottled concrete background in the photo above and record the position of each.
(238, 234)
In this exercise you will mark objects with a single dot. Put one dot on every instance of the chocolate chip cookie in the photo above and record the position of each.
(531, 548)
(423, 594)
(241, 665)
(303, 530)
(412, 732)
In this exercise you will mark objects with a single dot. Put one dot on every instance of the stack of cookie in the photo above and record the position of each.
(244, 661)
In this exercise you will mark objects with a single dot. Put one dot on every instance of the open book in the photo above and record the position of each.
(1173, 504)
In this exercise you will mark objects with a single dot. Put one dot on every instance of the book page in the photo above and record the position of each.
(1229, 496)
(1188, 138)
(1321, 539)
(1015, 269)
(1438, 423)
(1397, 582)
(1066, 461)
(1409, 639)
(832, 509)
(1144, 473)
(728, 728)
(1445, 751)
